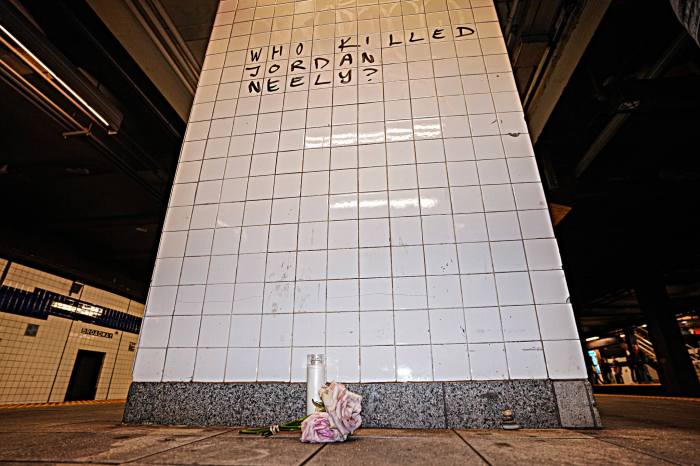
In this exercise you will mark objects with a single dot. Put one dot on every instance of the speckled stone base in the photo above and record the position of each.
(469, 404)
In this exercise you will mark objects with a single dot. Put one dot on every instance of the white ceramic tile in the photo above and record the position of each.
(343, 263)
(375, 262)
(466, 199)
(310, 296)
(549, 287)
(432, 175)
(189, 300)
(535, 224)
(161, 300)
(279, 297)
(343, 295)
(179, 365)
(438, 229)
(172, 244)
(503, 226)
(404, 203)
(513, 288)
(414, 363)
(483, 325)
(412, 328)
(343, 364)
(488, 361)
(407, 261)
(312, 236)
(374, 232)
(257, 212)
(309, 330)
(406, 231)
(274, 365)
(564, 359)
(376, 328)
(311, 265)
(529, 196)
(214, 332)
(299, 355)
(155, 332)
(148, 366)
(457, 149)
(498, 197)
(288, 185)
(430, 150)
(226, 241)
(508, 256)
(479, 290)
(222, 269)
(441, 259)
(245, 331)
(556, 322)
(254, 266)
(276, 330)
(210, 365)
(542, 254)
(444, 291)
(526, 360)
(342, 329)
(519, 323)
(378, 364)
(447, 326)
(474, 258)
(409, 293)
(282, 237)
(450, 362)
(184, 331)
(241, 365)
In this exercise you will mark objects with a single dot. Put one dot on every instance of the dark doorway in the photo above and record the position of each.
(86, 372)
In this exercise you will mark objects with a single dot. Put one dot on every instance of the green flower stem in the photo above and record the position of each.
(267, 431)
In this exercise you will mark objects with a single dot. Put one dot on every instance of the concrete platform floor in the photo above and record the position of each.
(638, 431)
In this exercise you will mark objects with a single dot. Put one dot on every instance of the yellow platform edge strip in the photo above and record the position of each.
(60, 403)
(673, 398)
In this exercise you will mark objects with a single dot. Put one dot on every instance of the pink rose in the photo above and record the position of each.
(317, 429)
(343, 406)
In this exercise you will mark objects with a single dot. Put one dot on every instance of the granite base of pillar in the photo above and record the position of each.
(430, 405)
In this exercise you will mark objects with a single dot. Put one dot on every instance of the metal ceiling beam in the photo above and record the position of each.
(564, 60)
(153, 56)
(619, 119)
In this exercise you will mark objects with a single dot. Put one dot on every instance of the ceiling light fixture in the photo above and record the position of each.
(46, 72)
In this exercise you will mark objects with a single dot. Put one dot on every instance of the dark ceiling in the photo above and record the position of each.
(87, 207)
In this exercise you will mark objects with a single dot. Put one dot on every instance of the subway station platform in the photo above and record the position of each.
(638, 430)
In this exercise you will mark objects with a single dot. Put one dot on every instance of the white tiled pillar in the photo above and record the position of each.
(357, 180)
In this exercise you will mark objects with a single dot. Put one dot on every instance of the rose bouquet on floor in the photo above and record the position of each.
(336, 417)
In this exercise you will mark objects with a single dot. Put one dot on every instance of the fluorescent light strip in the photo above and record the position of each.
(48, 70)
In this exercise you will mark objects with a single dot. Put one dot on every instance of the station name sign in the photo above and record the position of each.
(97, 333)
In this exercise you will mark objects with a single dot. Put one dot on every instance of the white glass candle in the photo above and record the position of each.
(315, 379)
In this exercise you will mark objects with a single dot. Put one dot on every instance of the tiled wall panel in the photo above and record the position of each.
(357, 179)
(37, 368)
